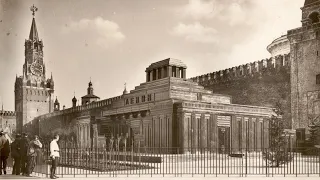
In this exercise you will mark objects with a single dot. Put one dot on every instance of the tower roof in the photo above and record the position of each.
(56, 101)
(166, 62)
(33, 31)
(308, 2)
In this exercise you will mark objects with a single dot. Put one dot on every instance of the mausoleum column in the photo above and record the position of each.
(203, 131)
(81, 135)
(88, 135)
(84, 135)
(78, 135)
(185, 131)
(196, 130)
(151, 75)
(177, 72)
(184, 73)
(157, 74)
(147, 76)
(213, 132)
(169, 71)
(162, 72)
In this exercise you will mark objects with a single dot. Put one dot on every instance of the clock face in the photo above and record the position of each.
(36, 69)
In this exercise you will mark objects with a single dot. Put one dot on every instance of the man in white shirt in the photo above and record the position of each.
(54, 155)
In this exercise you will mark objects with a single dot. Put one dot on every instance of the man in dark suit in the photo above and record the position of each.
(15, 154)
(24, 144)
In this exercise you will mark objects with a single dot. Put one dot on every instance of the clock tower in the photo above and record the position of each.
(33, 93)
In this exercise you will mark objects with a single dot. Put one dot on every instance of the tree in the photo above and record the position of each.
(277, 153)
(314, 129)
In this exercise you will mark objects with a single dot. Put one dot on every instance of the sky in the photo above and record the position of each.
(113, 42)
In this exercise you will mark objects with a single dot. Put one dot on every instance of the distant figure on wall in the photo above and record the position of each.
(4, 153)
(33, 150)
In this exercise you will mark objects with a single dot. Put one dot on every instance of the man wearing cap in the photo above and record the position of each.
(54, 155)
(15, 154)
(33, 149)
(4, 153)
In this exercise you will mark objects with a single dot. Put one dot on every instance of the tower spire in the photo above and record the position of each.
(33, 31)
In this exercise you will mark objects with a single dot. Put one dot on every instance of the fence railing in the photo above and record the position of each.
(75, 162)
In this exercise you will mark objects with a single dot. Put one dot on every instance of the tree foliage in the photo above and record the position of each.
(277, 153)
(314, 129)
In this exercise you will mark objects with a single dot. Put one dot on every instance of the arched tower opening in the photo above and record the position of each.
(314, 17)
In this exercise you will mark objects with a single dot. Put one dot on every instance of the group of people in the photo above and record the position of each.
(118, 144)
(25, 153)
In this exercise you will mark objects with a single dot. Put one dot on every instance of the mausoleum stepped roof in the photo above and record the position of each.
(167, 62)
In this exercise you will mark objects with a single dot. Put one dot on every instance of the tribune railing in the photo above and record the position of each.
(87, 162)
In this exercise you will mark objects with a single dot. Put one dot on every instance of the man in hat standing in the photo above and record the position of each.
(4, 153)
(15, 154)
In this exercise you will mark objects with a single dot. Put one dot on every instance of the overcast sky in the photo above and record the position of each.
(113, 41)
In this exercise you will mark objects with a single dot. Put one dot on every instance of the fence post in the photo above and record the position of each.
(319, 160)
(139, 156)
(266, 163)
(246, 160)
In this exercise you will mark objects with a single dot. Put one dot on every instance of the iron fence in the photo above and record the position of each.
(76, 162)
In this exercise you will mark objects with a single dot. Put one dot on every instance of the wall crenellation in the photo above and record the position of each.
(84, 107)
(7, 113)
(246, 70)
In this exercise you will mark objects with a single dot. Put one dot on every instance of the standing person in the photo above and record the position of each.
(33, 149)
(15, 154)
(24, 143)
(4, 154)
(3, 139)
(54, 155)
(111, 143)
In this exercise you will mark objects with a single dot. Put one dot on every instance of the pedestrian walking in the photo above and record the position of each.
(24, 143)
(54, 156)
(4, 153)
(15, 154)
(33, 150)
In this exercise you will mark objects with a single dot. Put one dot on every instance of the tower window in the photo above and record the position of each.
(314, 17)
(318, 79)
